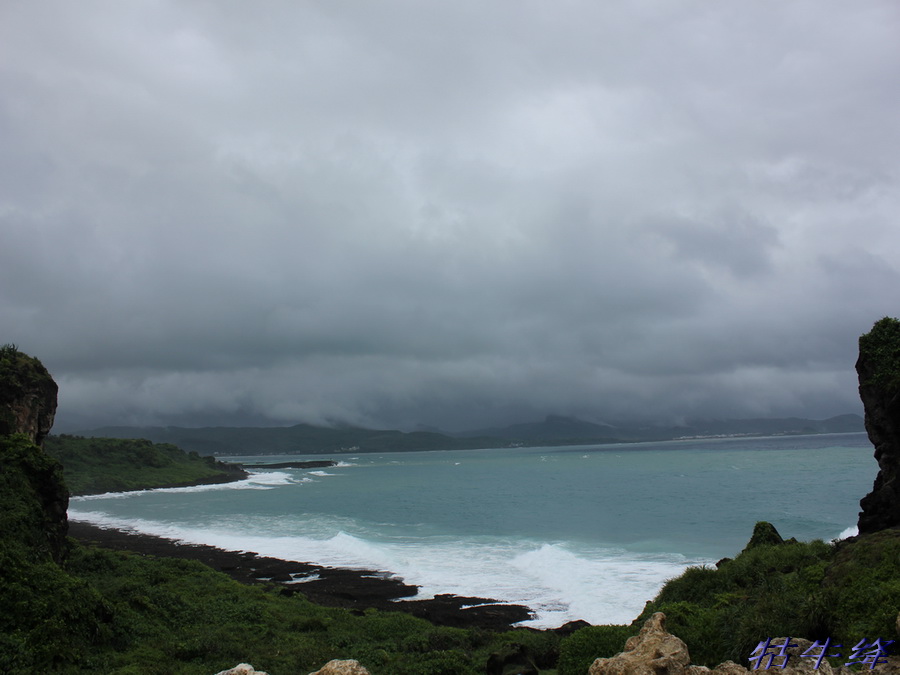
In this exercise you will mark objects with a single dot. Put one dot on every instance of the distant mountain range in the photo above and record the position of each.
(554, 430)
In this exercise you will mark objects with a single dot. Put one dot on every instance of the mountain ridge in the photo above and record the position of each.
(553, 430)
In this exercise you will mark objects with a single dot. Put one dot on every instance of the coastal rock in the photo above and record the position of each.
(27, 395)
(336, 667)
(878, 368)
(653, 651)
(764, 534)
(242, 669)
(35, 495)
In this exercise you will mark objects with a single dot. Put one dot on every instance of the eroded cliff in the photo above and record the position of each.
(34, 497)
(878, 368)
(27, 395)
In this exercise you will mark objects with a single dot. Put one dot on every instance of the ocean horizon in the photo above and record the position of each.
(577, 532)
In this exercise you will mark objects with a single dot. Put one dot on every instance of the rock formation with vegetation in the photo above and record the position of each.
(655, 651)
(27, 395)
(847, 590)
(878, 368)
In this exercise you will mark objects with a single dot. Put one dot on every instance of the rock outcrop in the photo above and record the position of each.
(336, 667)
(655, 651)
(878, 368)
(242, 669)
(764, 534)
(34, 497)
(27, 395)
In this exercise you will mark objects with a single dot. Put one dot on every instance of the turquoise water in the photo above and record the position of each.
(586, 532)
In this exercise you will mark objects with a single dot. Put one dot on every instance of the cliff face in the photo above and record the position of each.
(33, 496)
(27, 395)
(878, 368)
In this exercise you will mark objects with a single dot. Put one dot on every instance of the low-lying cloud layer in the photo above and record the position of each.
(453, 214)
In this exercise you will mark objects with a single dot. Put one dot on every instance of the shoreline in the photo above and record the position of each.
(356, 590)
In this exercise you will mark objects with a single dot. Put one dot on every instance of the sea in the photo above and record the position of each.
(577, 532)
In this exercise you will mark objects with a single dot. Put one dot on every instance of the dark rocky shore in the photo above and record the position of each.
(309, 464)
(333, 587)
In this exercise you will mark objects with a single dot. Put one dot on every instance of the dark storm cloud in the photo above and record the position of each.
(453, 214)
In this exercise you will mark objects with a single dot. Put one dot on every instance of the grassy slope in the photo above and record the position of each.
(98, 465)
(169, 611)
(847, 591)
(114, 612)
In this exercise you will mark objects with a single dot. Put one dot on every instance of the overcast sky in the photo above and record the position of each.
(454, 214)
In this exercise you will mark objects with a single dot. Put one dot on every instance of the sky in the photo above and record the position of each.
(451, 214)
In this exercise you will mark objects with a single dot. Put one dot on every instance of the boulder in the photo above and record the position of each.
(336, 667)
(241, 669)
(653, 651)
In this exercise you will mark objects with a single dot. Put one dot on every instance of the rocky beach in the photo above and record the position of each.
(352, 589)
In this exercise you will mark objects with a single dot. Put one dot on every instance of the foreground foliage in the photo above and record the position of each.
(118, 612)
(578, 651)
(846, 590)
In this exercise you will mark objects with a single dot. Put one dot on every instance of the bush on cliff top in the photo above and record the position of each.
(19, 374)
(881, 348)
(578, 651)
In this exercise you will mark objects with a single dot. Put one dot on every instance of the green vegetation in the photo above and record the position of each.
(49, 616)
(880, 348)
(170, 611)
(98, 465)
(578, 651)
(22, 377)
(847, 590)
(18, 370)
(116, 612)
(94, 610)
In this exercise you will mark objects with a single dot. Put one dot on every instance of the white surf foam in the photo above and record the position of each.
(559, 583)
(258, 480)
(851, 531)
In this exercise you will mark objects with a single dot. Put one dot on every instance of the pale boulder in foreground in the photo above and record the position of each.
(349, 667)
(241, 669)
(336, 667)
(655, 651)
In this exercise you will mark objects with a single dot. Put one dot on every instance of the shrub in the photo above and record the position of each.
(578, 651)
